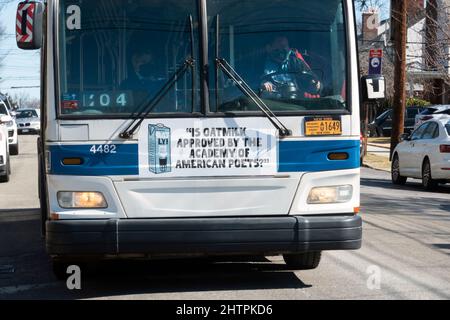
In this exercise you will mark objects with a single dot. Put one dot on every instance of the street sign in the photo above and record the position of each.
(375, 61)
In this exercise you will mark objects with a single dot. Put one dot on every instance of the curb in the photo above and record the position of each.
(365, 165)
(378, 146)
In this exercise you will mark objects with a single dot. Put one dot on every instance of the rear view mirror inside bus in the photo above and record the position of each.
(29, 25)
(373, 88)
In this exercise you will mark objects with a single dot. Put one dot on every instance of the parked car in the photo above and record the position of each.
(5, 167)
(28, 121)
(12, 129)
(382, 125)
(432, 112)
(425, 154)
(361, 148)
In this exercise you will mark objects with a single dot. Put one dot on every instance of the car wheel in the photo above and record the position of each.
(395, 172)
(14, 149)
(5, 177)
(427, 180)
(303, 261)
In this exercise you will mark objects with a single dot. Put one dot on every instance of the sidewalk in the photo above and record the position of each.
(378, 154)
(380, 142)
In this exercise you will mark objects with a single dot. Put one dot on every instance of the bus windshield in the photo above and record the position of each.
(115, 55)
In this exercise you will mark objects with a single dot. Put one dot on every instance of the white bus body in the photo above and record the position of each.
(206, 172)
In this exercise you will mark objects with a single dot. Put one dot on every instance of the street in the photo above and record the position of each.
(406, 239)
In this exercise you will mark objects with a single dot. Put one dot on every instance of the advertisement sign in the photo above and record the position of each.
(206, 147)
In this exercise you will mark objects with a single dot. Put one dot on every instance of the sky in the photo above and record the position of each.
(384, 12)
(21, 67)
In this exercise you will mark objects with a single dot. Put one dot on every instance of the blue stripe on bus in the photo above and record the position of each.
(294, 156)
(308, 156)
(124, 162)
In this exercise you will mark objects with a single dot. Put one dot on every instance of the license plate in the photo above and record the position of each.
(25, 130)
(323, 126)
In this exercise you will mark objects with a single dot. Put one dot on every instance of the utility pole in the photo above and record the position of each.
(399, 18)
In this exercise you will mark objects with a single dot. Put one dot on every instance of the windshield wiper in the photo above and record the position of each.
(149, 106)
(223, 64)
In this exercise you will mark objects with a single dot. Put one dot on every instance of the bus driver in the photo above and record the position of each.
(287, 74)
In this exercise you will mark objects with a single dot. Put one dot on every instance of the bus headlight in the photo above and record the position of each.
(81, 200)
(332, 194)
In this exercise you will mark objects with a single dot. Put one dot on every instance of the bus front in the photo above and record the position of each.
(200, 127)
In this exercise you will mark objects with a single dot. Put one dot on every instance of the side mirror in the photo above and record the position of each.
(373, 88)
(405, 137)
(29, 25)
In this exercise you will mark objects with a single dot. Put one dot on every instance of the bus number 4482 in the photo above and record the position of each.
(103, 148)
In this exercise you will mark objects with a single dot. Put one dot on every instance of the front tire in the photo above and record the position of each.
(427, 180)
(42, 190)
(303, 261)
(5, 177)
(60, 269)
(14, 149)
(395, 172)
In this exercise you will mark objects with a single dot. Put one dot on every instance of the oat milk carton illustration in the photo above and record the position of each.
(159, 148)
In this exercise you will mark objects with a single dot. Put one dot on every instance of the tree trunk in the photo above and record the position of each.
(399, 15)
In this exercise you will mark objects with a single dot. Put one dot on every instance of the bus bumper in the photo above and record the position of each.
(205, 236)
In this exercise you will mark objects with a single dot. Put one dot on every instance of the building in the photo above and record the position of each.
(376, 34)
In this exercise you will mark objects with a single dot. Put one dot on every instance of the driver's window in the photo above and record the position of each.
(419, 132)
(292, 55)
(430, 131)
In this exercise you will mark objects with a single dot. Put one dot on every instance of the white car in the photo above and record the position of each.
(424, 155)
(12, 129)
(432, 112)
(5, 167)
(28, 121)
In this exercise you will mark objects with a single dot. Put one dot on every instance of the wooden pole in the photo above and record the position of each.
(399, 17)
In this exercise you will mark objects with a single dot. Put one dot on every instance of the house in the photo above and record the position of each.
(376, 34)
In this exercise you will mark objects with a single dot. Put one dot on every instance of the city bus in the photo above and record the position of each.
(198, 128)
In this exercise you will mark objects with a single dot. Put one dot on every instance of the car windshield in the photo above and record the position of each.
(26, 114)
(446, 111)
(447, 126)
(115, 55)
(384, 114)
(428, 111)
(3, 109)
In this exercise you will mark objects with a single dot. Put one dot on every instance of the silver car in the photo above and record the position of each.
(432, 112)
(28, 121)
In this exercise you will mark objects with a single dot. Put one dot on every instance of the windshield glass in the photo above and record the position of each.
(116, 54)
(26, 114)
(3, 109)
(290, 52)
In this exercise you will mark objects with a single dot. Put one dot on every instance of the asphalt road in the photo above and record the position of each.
(406, 245)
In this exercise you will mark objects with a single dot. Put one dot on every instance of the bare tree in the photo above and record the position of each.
(3, 34)
(437, 54)
(368, 4)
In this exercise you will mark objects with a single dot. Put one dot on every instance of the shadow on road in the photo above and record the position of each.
(411, 186)
(22, 248)
(120, 278)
